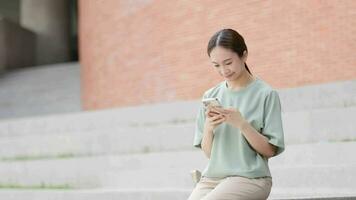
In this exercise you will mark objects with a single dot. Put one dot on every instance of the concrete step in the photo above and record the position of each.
(315, 166)
(322, 125)
(156, 170)
(139, 116)
(114, 131)
(324, 153)
(164, 193)
(118, 140)
(40, 90)
(103, 194)
(318, 166)
(312, 193)
(339, 94)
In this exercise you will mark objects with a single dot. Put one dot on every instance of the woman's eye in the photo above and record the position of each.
(216, 65)
(228, 63)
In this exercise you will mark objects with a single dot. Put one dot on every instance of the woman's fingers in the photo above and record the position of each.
(215, 118)
(210, 113)
(218, 121)
(221, 110)
(211, 119)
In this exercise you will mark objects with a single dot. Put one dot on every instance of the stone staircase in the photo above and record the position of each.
(146, 152)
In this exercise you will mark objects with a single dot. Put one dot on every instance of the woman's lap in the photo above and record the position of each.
(231, 188)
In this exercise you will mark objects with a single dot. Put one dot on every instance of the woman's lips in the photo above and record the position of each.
(229, 75)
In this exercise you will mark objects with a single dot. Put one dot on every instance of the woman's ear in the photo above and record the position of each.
(244, 56)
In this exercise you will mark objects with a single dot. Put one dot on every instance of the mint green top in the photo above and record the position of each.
(231, 154)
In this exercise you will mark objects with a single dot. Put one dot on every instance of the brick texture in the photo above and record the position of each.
(145, 51)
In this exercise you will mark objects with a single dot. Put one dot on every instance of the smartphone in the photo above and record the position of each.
(211, 102)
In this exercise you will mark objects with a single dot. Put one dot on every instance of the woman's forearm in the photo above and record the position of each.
(207, 142)
(258, 141)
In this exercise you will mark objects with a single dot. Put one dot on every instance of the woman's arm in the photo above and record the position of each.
(258, 141)
(207, 141)
(213, 120)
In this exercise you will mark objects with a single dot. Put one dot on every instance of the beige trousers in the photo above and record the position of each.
(232, 188)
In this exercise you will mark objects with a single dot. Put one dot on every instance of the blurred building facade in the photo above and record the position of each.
(151, 51)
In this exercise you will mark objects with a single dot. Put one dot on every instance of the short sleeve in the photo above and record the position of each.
(199, 126)
(272, 121)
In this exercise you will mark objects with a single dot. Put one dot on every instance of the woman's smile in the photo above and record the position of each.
(230, 75)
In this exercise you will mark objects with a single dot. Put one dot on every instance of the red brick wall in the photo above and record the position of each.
(155, 51)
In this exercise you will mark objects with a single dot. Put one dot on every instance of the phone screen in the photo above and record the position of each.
(211, 102)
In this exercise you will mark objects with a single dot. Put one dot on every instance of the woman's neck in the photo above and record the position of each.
(241, 82)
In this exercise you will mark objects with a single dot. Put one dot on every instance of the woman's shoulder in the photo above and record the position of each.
(265, 87)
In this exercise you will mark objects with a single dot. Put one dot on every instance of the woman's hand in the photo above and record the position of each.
(213, 119)
(232, 116)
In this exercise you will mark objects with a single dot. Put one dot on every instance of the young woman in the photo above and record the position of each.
(239, 137)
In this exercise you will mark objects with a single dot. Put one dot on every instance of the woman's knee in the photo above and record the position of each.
(203, 187)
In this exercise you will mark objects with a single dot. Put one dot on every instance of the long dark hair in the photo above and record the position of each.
(229, 39)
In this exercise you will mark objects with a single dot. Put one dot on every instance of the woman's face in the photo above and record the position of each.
(227, 63)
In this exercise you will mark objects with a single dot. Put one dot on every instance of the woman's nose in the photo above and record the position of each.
(225, 70)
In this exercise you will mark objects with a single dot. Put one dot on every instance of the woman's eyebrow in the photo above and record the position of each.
(223, 61)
